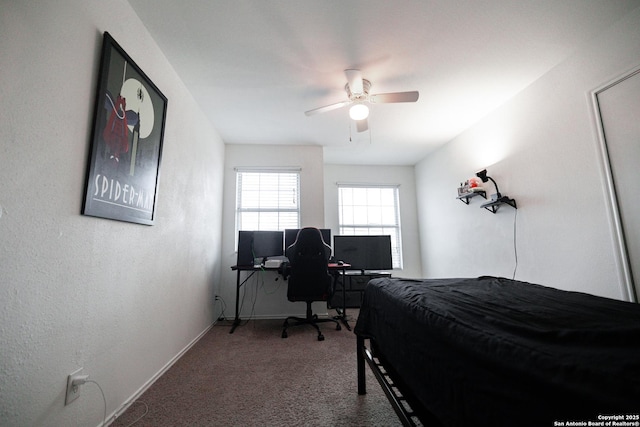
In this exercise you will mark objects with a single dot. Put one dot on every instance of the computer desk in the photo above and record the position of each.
(334, 268)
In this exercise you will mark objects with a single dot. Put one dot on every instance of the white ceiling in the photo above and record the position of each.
(255, 66)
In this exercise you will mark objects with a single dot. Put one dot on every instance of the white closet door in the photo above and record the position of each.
(619, 107)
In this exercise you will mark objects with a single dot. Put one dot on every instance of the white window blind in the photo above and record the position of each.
(267, 199)
(371, 210)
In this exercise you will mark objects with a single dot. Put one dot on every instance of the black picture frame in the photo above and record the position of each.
(126, 142)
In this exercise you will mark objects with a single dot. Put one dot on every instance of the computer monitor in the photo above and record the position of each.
(245, 248)
(364, 252)
(267, 244)
(290, 235)
(258, 245)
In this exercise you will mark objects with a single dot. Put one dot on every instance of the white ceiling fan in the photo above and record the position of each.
(358, 97)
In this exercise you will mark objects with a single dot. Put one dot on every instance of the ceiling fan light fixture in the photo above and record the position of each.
(359, 112)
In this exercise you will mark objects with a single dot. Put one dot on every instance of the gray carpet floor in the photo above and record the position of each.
(254, 377)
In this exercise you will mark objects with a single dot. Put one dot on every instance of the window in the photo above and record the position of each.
(267, 199)
(371, 210)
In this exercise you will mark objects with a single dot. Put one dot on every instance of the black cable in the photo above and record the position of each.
(255, 293)
(223, 306)
(244, 294)
(266, 291)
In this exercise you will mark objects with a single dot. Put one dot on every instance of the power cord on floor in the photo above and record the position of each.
(146, 411)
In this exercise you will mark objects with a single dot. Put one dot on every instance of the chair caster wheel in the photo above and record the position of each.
(338, 327)
(320, 337)
(284, 334)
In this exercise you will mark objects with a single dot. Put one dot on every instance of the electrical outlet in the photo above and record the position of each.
(73, 391)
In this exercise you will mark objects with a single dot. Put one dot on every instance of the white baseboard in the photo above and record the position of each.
(115, 414)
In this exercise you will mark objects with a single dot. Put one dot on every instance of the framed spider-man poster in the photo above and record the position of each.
(126, 142)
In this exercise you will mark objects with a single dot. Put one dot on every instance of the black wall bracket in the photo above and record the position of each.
(466, 196)
(493, 205)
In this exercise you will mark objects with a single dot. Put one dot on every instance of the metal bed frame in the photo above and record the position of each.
(409, 410)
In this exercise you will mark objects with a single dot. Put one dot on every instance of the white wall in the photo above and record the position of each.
(403, 176)
(120, 300)
(264, 296)
(542, 150)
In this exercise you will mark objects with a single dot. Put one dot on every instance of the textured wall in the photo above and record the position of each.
(542, 149)
(120, 300)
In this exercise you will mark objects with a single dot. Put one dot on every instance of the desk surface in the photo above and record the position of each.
(330, 266)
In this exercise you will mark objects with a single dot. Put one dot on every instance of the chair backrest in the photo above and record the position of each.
(309, 278)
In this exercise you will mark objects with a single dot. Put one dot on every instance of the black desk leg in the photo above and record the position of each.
(342, 316)
(236, 320)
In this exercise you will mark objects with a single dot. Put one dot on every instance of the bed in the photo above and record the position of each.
(499, 352)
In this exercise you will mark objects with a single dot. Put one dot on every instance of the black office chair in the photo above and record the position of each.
(309, 278)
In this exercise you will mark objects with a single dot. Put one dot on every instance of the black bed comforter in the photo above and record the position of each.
(493, 351)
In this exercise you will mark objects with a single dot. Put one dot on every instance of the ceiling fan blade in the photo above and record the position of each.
(385, 98)
(327, 108)
(354, 78)
(362, 125)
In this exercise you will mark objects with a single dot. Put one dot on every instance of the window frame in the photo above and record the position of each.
(255, 205)
(352, 228)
